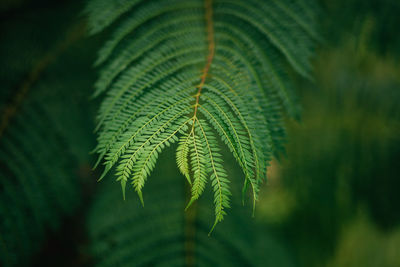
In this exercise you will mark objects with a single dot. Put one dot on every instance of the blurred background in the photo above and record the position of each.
(332, 200)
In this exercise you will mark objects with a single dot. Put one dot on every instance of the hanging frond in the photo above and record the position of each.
(121, 233)
(185, 70)
(182, 153)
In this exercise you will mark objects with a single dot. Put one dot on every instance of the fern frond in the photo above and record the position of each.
(182, 153)
(147, 162)
(199, 166)
(38, 178)
(219, 176)
(185, 70)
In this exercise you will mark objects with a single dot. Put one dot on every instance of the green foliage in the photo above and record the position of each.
(379, 15)
(342, 159)
(37, 187)
(44, 145)
(122, 233)
(188, 70)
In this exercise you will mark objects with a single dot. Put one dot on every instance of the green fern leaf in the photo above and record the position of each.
(199, 166)
(190, 71)
(182, 156)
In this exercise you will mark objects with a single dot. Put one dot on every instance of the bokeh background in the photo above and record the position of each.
(332, 200)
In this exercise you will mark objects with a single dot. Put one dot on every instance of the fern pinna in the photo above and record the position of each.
(187, 71)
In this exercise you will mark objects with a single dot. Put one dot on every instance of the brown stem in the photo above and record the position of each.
(190, 215)
(211, 51)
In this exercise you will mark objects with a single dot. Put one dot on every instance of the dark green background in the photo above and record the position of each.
(333, 200)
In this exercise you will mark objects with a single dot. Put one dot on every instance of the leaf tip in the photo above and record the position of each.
(123, 186)
(190, 203)
(141, 197)
(212, 228)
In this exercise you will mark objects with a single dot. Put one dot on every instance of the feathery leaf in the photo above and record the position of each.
(191, 71)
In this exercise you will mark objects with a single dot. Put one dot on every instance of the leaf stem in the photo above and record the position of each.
(211, 51)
